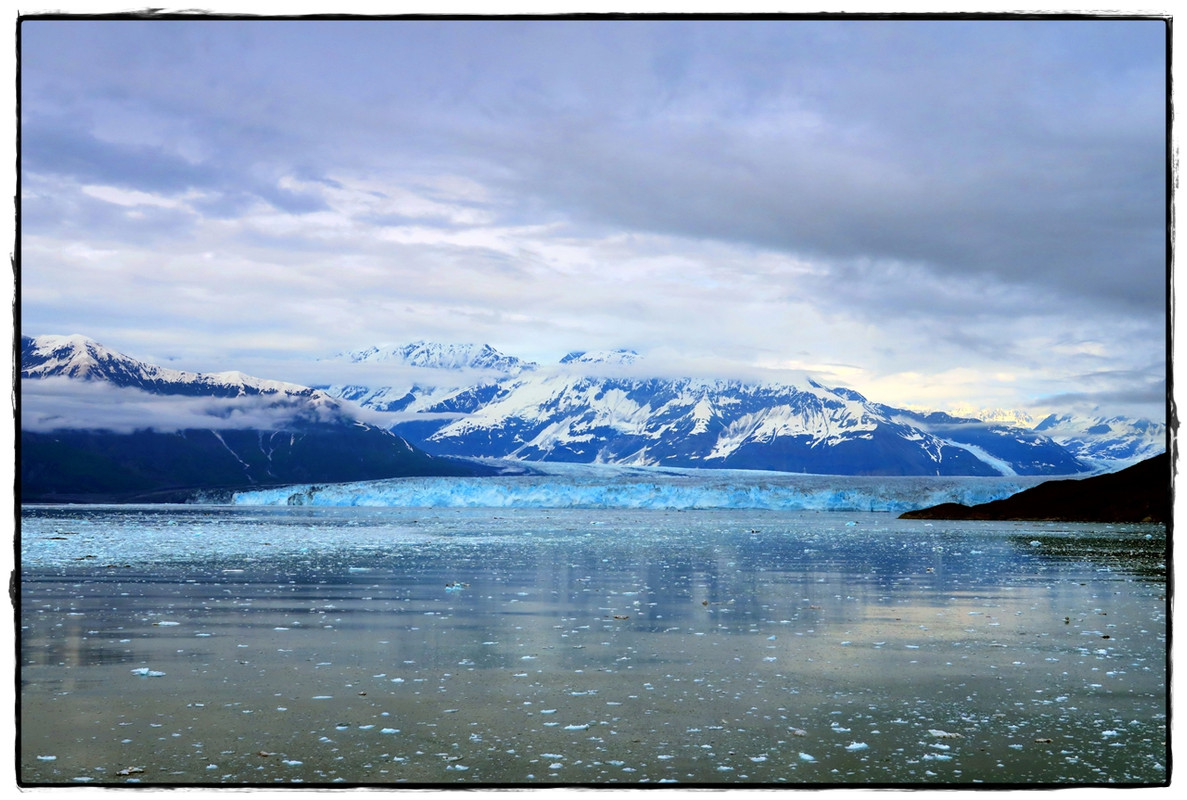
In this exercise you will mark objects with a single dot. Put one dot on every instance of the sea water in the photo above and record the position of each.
(243, 645)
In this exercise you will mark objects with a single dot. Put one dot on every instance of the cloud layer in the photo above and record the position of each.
(934, 212)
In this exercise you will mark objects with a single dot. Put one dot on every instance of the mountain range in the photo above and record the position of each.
(95, 422)
(97, 425)
(605, 407)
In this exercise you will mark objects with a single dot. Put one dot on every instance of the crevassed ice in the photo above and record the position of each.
(571, 486)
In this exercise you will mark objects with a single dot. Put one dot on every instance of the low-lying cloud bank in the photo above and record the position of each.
(50, 404)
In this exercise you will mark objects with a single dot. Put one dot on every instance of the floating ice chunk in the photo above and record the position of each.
(47, 758)
(806, 757)
(548, 711)
(145, 672)
(389, 730)
(166, 623)
(939, 734)
(854, 746)
(579, 727)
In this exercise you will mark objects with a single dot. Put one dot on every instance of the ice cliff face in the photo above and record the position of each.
(590, 486)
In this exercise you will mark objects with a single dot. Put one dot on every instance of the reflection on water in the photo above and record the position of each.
(196, 646)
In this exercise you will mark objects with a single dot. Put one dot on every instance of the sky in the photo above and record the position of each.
(941, 214)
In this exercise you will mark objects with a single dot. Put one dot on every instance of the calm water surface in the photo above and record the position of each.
(218, 645)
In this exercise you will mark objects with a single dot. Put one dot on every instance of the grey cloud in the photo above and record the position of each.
(56, 403)
(62, 149)
(978, 179)
(1146, 395)
(943, 163)
(63, 210)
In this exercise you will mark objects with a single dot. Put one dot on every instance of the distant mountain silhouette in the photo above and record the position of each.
(1141, 493)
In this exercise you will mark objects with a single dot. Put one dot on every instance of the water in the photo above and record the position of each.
(529, 646)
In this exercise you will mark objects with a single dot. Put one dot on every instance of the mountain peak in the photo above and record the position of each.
(621, 356)
(435, 355)
(81, 358)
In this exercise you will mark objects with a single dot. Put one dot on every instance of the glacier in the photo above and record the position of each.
(639, 487)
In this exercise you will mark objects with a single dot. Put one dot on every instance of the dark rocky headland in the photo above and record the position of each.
(1141, 493)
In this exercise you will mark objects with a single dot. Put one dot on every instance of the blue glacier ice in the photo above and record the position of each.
(601, 486)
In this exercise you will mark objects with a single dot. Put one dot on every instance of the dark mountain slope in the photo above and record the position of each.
(296, 434)
(79, 466)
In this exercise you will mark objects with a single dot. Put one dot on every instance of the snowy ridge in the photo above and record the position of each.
(556, 415)
(78, 375)
(432, 355)
(605, 407)
(624, 357)
(645, 421)
(1005, 416)
(1106, 442)
(440, 371)
(81, 358)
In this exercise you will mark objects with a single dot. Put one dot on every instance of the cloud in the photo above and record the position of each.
(890, 197)
(49, 404)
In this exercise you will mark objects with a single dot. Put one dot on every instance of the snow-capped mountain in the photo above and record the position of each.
(441, 370)
(441, 356)
(621, 357)
(1013, 449)
(82, 359)
(1005, 416)
(686, 422)
(97, 425)
(1106, 441)
(592, 408)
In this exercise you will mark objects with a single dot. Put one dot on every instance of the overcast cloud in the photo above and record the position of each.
(939, 213)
